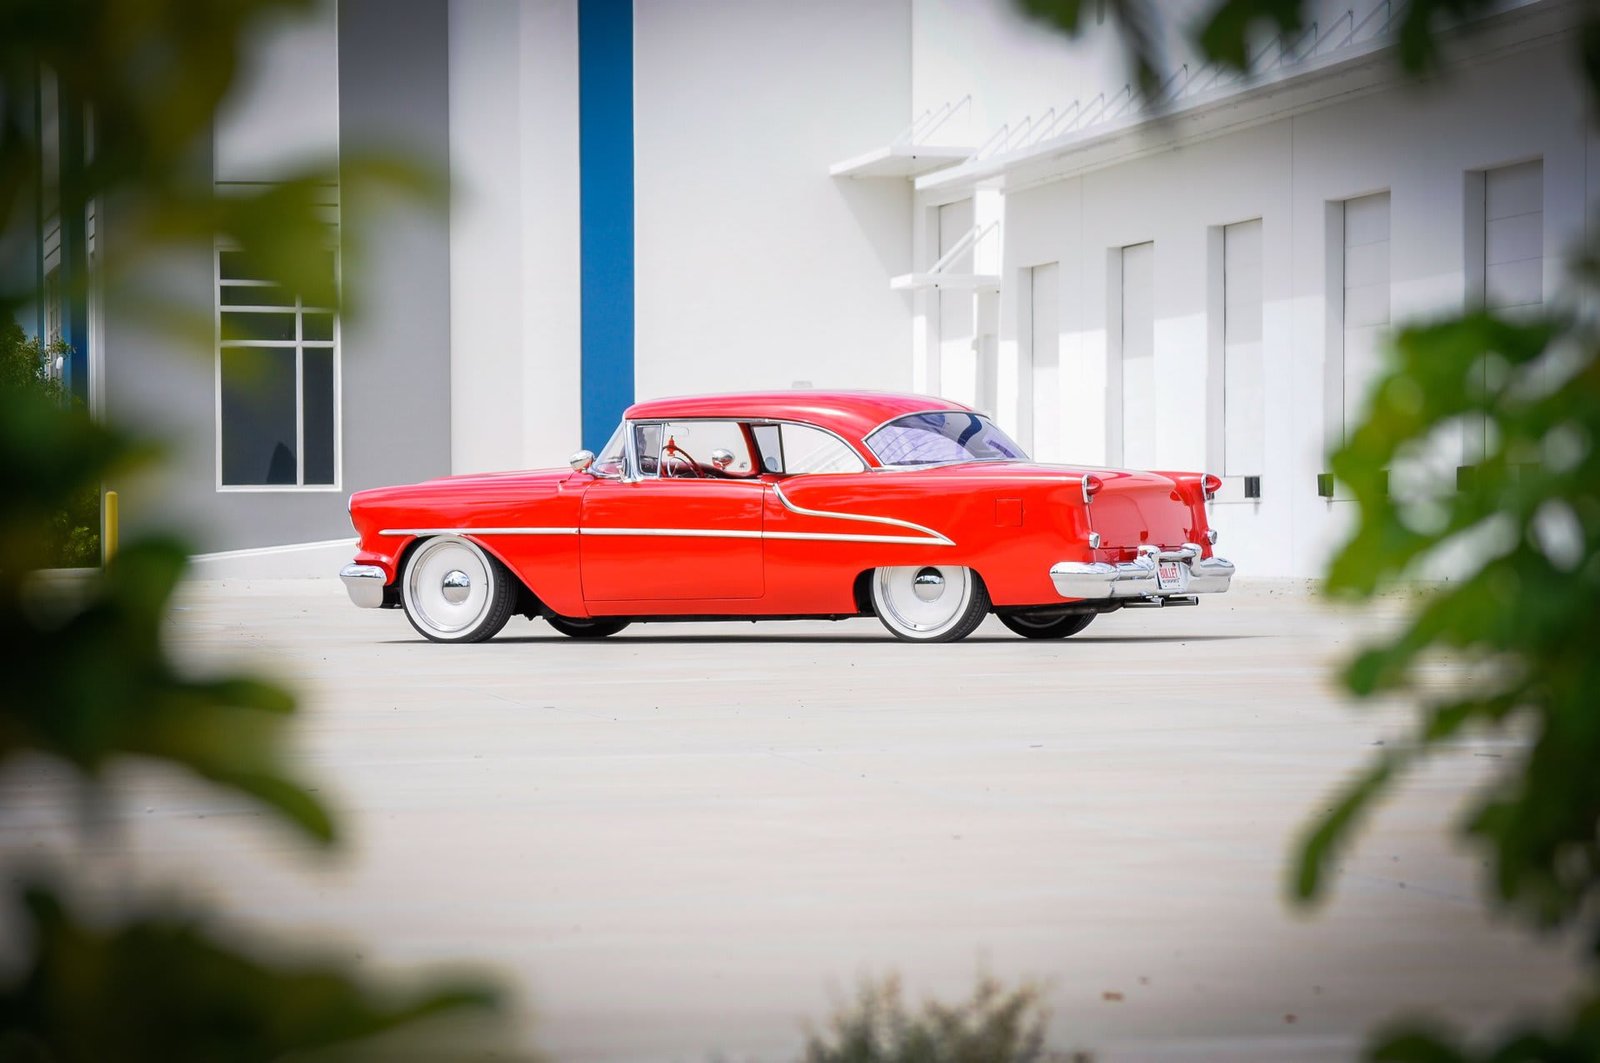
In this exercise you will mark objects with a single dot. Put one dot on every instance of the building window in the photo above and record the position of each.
(1365, 292)
(1243, 395)
(277, 382)
(1513, 236)
(1138, 356)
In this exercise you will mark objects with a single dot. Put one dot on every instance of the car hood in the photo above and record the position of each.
(484, 487)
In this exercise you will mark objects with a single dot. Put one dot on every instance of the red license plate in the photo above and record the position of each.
(1169, 575)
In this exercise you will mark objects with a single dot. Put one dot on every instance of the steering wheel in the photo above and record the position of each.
(676, 453)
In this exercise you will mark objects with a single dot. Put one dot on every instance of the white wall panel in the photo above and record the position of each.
(1243, 397)
(1044, 383)
(283, 114)
(958, 361)
(514, 295)
(1138, 356)
(753, 267)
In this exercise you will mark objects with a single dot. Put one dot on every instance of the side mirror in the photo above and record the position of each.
(581, 460)
(721, 459)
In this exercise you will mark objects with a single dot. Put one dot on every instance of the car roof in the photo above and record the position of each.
(849, 413)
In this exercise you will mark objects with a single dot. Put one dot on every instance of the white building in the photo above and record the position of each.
(675, 196)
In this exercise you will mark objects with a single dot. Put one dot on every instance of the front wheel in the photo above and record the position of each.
(1033, 626)
(929, 603)
(585, 629)
(454, 592)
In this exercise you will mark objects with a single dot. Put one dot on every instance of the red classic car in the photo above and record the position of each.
(790, 505)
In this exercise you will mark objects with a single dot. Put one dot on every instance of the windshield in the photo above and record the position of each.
(942, 436)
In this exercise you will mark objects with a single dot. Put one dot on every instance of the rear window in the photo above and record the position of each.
(942, 436)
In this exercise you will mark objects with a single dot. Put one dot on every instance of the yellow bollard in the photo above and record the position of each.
(108, 529)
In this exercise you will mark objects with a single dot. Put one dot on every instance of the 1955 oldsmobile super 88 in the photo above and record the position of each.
(806, 504)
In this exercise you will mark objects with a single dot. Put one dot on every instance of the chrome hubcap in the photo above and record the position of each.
(927, 585)
(455, 587)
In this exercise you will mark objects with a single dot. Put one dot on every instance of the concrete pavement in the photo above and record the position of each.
(689, 839)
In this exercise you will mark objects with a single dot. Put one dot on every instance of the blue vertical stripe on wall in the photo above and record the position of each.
(605, 212)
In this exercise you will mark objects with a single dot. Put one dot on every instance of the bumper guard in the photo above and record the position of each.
(365, 584)
(1139, 578)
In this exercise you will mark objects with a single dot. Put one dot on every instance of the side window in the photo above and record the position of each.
(771, 446)
(800, 450)
(692, 443)
(647, 447)
(811, 450)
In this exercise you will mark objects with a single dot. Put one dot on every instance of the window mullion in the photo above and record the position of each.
(299, 396)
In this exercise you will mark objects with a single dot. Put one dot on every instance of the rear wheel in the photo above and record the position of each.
(585, 629)
(929, 603)
(1056, 626)
(454, 592)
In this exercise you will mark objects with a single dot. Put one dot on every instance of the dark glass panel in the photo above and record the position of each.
(255, 295)
(257, 326)
(317, 396)
(258, 416)
(316, 327)
(234, 266)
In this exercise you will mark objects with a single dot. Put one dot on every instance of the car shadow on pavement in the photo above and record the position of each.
(636, 638)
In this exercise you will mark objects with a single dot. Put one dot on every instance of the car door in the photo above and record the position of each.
(676, 538)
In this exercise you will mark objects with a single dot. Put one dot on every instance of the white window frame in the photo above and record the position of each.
(298, 345)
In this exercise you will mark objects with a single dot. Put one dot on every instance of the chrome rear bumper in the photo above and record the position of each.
(1139, 578)
(365, 584)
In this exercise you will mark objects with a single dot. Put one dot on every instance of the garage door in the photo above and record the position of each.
(1513, 236)
(1243, 404)
(1366, 296)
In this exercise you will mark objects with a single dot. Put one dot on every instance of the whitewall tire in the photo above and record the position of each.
(455, 592)
(929, 603)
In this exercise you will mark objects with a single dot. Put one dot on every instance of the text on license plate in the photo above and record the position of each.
(1168, 576)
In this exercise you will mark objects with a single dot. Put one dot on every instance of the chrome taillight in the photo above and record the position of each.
(1212, 484)
(1091, 487)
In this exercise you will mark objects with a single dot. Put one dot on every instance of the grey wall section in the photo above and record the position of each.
(160, 376)
(395, 354)
(394, 98)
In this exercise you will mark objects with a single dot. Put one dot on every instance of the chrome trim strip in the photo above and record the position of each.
(364, 584)
(777, 489)
(840, 537)
(675, 533)
(695, 533)
(478, 531)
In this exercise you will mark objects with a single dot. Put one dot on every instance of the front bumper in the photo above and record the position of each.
(1139, 578)
(365, 584)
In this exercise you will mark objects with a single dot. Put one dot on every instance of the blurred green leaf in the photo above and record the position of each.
(166, 988)
(89, 679)
(1226, 36)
